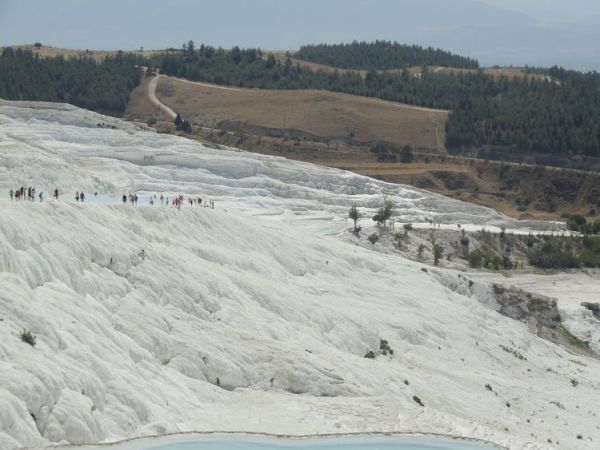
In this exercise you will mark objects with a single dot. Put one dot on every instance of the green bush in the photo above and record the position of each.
(418, 400)
(27, 337)
(406, 154)
(384, 347)
(554, 254)
(487, 258)
(373, 238)
(438, 253)
(385, 151)
(579, 223)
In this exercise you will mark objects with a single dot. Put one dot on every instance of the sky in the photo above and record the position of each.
(552, 11)
(534, 32)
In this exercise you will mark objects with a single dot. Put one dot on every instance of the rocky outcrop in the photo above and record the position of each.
(593, 307)
(536, 310)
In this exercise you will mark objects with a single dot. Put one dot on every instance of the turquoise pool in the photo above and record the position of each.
(267, 443)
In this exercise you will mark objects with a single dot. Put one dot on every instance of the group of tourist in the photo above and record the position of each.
(24, 193)
(133, 199)
(80, 196)
(177, 201)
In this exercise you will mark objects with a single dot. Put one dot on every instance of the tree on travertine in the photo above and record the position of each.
(355, 215)
(384, 214)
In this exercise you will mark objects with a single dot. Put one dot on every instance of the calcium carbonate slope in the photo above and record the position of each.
(248, 317)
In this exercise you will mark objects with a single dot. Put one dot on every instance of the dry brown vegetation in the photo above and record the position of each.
(305, 113)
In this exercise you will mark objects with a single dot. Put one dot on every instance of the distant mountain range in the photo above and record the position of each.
(490, 32)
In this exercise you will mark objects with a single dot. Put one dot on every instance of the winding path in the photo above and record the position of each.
(152, 96)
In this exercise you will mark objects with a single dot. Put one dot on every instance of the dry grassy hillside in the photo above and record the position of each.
(307, 113)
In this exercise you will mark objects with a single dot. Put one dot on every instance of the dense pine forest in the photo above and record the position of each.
(100, 86)
(559, 114)
(381, 55)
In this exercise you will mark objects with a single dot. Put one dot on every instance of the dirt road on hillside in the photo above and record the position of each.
(154, 99)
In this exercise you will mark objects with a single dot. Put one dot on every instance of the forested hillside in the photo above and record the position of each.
(557, 114)
(381, 55)
(560, 114)
(100, 86)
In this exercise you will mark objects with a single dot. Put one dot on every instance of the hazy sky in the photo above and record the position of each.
(505, 28)
(551, 10)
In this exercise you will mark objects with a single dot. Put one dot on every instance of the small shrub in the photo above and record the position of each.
(418, 400)
(489, 388)
(576, 222)
(373, 238)
(399, 238)
(513, 352)
(370, 354)
(438, 253)
(384, 347)
(406, 154)
(27, 337)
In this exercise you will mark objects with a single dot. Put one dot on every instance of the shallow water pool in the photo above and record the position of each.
(267, 443)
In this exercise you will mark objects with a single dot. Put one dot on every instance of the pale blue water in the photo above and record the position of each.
(90, 198)
(346, 443)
